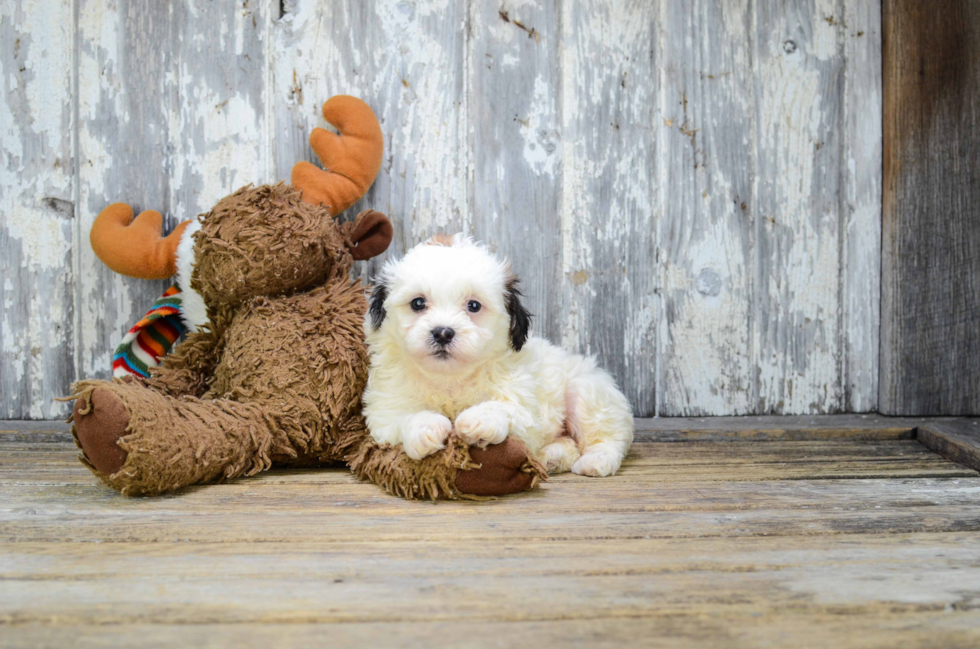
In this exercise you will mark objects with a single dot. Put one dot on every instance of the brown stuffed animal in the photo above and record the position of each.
(274, 373)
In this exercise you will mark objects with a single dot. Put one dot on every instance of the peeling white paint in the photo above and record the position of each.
(48, 62)
(797, 347)
(44, 238)
(226, 157)
(707, 127)
(827, 23)
(861, 263)
(608, 192)
(35, 209)
(541, 143)
(709, 358)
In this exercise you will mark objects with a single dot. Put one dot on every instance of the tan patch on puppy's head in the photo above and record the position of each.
(441, 240)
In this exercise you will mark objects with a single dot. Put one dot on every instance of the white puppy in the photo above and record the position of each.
(449, 346)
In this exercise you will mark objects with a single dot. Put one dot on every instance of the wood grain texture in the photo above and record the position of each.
(36, 208)
(770, 227)
(514, 106)
(930, 341)
(665, 490)
(705, 132)
(860, 223)
(693, 543)
(843, 629)
(957, 441)
(776, 427)
(367, 582)
(797, 316)
(610, 294)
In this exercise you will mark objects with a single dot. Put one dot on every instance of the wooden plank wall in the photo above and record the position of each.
(930, 333)
(37, 211)
(689, 189)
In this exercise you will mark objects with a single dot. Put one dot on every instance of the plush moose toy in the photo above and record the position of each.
(274, 362)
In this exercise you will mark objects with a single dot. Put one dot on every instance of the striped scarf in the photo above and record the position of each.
(151, 338)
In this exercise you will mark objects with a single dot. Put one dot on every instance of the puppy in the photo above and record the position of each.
(449, 347)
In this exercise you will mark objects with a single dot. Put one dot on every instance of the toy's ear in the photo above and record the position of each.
(370, 235)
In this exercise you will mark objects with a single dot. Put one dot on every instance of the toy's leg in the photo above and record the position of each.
(458, 471)
(504, 468)
(142, 442)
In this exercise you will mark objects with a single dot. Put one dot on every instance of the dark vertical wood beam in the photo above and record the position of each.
(930, 315)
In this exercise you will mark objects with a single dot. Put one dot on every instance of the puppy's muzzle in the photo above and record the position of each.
(442, 336)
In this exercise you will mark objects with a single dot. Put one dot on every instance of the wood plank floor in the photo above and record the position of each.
(832, 531)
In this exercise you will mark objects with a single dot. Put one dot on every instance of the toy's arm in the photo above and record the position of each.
(186, 369)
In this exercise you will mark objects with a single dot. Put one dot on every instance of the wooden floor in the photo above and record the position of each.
(834, 531)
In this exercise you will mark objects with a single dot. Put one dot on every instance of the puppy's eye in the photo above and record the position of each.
(473, 306)
(418, 304)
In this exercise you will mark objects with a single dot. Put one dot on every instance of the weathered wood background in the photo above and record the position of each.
(690, 189)
(930, 341)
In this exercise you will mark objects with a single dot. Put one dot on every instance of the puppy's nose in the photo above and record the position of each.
(443, 335)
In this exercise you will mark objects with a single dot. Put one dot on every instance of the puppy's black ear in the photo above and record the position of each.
(520, 318)
(377, 309)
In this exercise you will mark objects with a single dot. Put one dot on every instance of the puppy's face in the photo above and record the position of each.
(448, 305)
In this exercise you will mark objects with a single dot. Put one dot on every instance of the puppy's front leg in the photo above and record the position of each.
(420, 433)
(424, 433)
(489, 422)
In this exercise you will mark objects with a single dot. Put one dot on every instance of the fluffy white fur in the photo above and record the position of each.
(194, 313)
(564, 408)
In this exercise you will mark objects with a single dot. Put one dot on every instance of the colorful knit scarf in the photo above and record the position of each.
(151, 338)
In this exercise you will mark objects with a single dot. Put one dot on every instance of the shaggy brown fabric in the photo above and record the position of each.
(265, 241)
(275, 378)
(430, 478)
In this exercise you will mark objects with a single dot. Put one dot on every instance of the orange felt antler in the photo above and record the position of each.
(135, 247)
(351, 160)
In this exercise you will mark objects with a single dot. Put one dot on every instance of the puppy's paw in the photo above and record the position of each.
(425, 433)
(598, 461)
(560, 455)
(483, 424)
